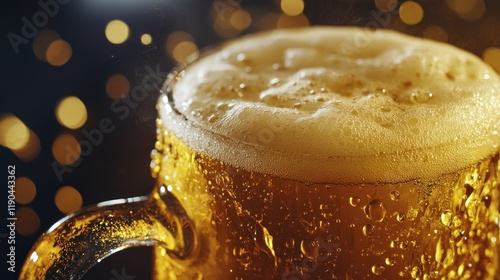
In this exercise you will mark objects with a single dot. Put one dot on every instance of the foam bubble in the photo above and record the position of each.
(339, 105)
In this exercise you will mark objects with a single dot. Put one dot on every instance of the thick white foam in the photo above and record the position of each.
(330, 104)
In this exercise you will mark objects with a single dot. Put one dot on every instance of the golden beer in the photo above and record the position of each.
(327, 153)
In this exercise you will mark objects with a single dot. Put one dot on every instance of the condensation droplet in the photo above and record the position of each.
(390, 262)
(394, 195)
(290, 243)
(446, 217)
(375, 210)
(354, 201)
(378, 269)
(310, 248)
(368, 230)
(400, 217)
(415, 273)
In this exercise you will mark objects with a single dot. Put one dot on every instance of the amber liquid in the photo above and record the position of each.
(256, 226)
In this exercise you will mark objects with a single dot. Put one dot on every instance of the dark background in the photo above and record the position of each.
(119, 166)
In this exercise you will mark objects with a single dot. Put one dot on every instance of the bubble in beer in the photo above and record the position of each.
(375, 210)
(378, 269)
(354, 201)
(368, 230)
(290, 243)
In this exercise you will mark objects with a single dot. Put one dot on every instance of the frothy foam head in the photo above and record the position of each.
(346, 105)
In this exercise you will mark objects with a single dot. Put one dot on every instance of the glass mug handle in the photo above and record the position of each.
(77, 242)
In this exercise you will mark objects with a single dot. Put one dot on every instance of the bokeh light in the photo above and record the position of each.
(180, 45)
(71, 112)
(146, 39)
(66, 149)
(469, 10)
(117, 31)
(27, 222)
(492, 57)
(31, 150)
(14, 134)
(240, 19)
(58, 53)
(117, 86)
(411, 12)
(42, 42)
(68, 199)
(436, 33)
(25, 190)
(292, 7)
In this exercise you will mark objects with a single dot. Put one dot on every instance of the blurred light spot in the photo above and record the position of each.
(469, 10)
(117, 31)
(240, 19)
(14, 134)
(27, 222)
(492, 57)
(411, 12)
(66, 149)
(183, 50)
(117, 86)
(68, 199)
(42, 42)
(180, 45)
(286, 21)
(71, 112)
(175, 38)
(25, 190)
(58, 52)
(146, 39)
(30, 150)
(386, 5)
(435, 32)
(292, 7)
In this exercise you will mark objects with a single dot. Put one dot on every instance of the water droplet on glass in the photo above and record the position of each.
(446, 217)
(378, 269)
(400, 217)
(310, 248)
(290, 243)
(389, 261)
(354, 201)
(375, 210)
(368, 230)
(415, 273)
(264, 241)
(394, 195)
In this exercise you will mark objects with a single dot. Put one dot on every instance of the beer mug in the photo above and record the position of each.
(313, 153)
